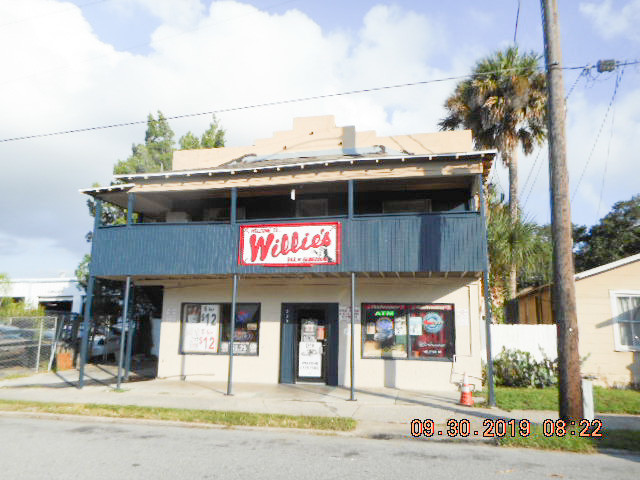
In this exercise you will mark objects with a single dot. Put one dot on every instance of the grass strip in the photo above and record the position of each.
(607, 400)
(184, 415)
(618, 439)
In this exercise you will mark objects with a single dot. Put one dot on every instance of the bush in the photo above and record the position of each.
(515, 368)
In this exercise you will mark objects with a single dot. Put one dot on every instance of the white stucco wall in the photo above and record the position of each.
(464, 293)
(45, 289)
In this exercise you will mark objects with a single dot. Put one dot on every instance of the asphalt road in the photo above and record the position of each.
(35, 448)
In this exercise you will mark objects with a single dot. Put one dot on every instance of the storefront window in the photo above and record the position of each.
(413, 331)
(206, 327)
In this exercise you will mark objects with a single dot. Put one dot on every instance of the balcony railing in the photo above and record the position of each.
(437, 242)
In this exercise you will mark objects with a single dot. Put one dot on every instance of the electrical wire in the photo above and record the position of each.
(267, 104)
(595, 143)
(583, 74)
(515, 30)
(619, 75)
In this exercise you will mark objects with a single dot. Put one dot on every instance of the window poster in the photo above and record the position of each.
(413, 331)
(436, 336)
(385, 331)
(201, 328)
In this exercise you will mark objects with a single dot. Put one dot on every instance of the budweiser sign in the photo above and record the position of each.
(290, 244)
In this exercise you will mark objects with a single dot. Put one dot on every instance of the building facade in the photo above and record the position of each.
(299, 235)
(53, 294)
(608, 311)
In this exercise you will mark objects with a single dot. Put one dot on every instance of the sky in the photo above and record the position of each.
(86, 63)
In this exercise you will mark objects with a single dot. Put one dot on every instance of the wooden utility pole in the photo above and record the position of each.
(563, 294)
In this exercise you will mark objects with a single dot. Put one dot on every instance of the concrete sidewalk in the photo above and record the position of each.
(381, 413)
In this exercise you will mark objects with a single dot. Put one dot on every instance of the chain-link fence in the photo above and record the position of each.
(27, 344)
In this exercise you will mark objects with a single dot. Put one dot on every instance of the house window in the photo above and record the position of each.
(408, 331)
(312, 207)
(206, 328)
(422, 205)
(625, 306)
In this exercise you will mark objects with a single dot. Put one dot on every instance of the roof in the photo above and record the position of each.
(608, 266)
(587, 273)
(300, 161)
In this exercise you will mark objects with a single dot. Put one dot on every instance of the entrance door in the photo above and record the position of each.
(309, 343)
(311, 361)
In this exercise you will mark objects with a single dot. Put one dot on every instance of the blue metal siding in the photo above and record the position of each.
(453, 242)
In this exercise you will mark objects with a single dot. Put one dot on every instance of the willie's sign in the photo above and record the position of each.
(290, 244)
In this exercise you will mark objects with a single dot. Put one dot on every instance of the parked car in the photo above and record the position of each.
(13, 346)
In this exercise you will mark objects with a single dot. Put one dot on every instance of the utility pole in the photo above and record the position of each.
(563, 294)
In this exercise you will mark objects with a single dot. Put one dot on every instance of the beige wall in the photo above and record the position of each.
(404, 374)
(320, 133)
(596, 327)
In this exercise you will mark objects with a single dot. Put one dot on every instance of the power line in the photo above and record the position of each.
(267, 104)
(583, 73)
(515, 30)
(595, 143)
(606, 161)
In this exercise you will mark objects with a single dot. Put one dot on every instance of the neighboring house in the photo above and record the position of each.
(608, 308)
(303, 219)
(53, 294)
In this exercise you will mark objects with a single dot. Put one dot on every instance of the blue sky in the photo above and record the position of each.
(90, 62)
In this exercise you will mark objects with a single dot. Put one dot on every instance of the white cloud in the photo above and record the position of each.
(612, 21)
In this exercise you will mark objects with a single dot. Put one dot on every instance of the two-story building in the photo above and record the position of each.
(297, 232)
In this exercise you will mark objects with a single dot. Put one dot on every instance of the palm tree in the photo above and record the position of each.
(523, 243)
(504, 105)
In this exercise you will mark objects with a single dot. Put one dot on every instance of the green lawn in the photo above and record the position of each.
(607, 400)
(618, 439)
(184, 415)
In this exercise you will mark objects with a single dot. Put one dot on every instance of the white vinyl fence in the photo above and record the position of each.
(534, 339)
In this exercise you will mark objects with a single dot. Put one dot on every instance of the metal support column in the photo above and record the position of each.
(125, 316)
(234, 294)
(131, 199)
(353, 334)
(350, 198)
(487, 296)
(234, 297)
(130, 332)
(88, 301)
(84, 342)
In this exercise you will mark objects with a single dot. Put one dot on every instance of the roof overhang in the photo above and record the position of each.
(314, 162)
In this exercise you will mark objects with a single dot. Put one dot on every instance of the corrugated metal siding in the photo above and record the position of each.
(452, 242)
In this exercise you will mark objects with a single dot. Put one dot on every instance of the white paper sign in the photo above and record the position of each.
(200, 338)
(400, 326)
(290, 244)
(310, 359)
(415, 325)
(344, 313)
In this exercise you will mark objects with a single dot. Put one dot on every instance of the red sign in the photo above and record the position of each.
(290, 244)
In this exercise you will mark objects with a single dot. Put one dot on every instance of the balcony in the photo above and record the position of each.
(402, 243)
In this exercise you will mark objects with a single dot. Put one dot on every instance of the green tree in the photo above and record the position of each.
(189, 142)
(523, 243)
(504, 105)
(155, 154)
(213, 137)
(10, 308)
(615, 236)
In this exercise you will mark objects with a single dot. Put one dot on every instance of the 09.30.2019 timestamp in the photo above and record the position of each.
(499, 427)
